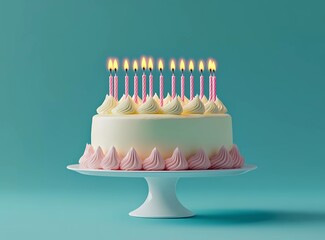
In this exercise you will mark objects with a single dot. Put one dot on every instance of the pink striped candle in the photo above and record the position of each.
(210, 87)
(182, 87)
(126, 85)
(150, 85)
(116, 87)
(214, 87)
(173, 86)
(144, 87)
(201, 86)
(110, 84)
(135, 79)
(161, 79)
(191, 87)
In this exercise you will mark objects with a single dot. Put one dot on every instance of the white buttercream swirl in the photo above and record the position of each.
(107, 106)
(211, 108)
(95, 159)
(149, 107)
(221, 160)
(173, 107)
(194, 107)
(177, 161)
(199, 161)
(238, 160)
(183, 102)
(125, 106)
(221, 107)
(111, 160)
(204, 99)
(138, 99)
(154, 162)
(131, 161)
(156, 98)
(167, 99)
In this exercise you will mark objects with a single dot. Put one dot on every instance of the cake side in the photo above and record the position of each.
(145, 132)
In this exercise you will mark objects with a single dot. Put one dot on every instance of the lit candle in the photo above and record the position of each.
(201, 67)
(135, 67)
(115, 80)
(126, 67)
(110, 79)
(144, 80)
(150, 65)
(161, 81)
(182, 68)
(210, 80)
(214, 81)
(172, 67)
(191, 67)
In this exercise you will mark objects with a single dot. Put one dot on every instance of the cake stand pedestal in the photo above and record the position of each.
(162, 201)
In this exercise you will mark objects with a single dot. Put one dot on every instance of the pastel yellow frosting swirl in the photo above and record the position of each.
(204, 99)
(167, 99)
(149, 107)
(221, 107)
(185, 100)
(194, 107)
(173, 107)
(156, 98)
(211, 108)
(125, 106)
(107, 106)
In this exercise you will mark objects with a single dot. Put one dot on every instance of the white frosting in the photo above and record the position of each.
(125, 106)
(194, 107)
(221, 107)
(107, 106)
(149, 107)
(144, 132)
(173, 107)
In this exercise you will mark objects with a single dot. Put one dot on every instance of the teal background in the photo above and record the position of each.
(271, 58)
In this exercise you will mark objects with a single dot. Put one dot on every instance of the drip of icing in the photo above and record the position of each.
(204, 99)
(107, 106)
(125, 106)
(211, 108)
(111, 160)
(149, 107)
(222, 108)
(173, 107)
(199, 161)
(221, 160)
(89, 150)
(238, 160)
(167, 99)
(177, 161)
(131, 161)
(154, 162)
(95, 159)
(194, 107)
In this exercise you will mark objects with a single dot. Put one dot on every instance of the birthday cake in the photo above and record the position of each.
(167, 132)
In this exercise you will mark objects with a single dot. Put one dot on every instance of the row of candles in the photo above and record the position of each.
(112, 65)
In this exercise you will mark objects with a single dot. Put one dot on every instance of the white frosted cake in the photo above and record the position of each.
(173, 133)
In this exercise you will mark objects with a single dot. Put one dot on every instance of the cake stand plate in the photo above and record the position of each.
(162, 201)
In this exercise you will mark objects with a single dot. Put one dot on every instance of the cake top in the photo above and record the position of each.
(151, 103)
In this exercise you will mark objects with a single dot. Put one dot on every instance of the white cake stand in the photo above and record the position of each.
(162, 201)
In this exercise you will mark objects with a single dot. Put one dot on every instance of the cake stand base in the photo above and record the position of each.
(161, 201)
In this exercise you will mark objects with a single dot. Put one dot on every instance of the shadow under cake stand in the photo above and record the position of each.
(162, 201)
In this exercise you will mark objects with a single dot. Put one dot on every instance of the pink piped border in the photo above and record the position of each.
(222, 159)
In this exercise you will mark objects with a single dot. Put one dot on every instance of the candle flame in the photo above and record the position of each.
(172, 65)
(109, 64)
(214, 66)
(182, 65)
(201, 66)
(150, 64)
(160, 65)
(115, 65)
(191, 66)
(126, 64)
(135, 65)
(210, 65)
(143, 63)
